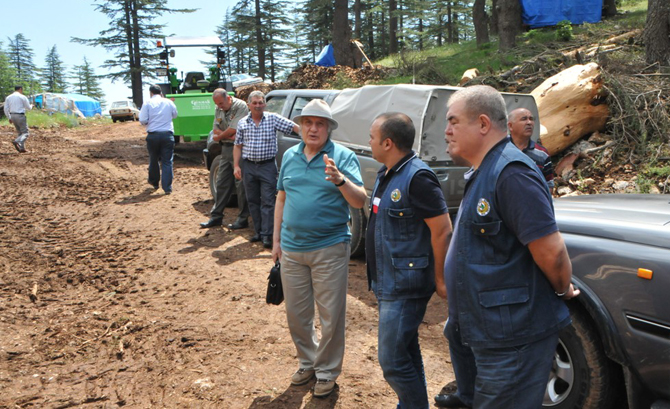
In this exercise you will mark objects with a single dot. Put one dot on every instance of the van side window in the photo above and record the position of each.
(275, 104)
(299, 104)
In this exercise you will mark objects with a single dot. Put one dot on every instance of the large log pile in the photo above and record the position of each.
(571, 105)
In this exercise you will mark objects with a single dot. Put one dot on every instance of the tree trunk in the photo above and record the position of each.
(130, 16)
(480, 18)
(382, 35)
(393, 26)
(657, 32)
(357, 20)
(136, 71)
(450, 31)
(342, 34)
(454, 27)
(370, 28)
(570, 104)
(493, 21)
(509, 22)
(260, 44)
(609, 8)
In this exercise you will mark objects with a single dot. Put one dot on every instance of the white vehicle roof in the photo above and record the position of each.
(356, 109)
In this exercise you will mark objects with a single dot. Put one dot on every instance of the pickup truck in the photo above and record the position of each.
(616, 353)
(355, 109)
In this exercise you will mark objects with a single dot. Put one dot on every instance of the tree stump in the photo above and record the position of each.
(571, 105)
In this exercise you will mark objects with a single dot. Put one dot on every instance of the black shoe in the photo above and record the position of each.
(267, 242)
(255, 238)
(211, 223)
(239, 224)
(449, 401)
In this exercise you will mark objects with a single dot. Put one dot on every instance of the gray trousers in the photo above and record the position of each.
(260, 183)
(317, 276)
(21, 125)
(225, 183)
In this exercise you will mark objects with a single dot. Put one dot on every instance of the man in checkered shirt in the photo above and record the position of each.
(254, 159)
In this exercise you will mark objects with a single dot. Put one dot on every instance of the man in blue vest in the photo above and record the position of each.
(406, 244)
(507, 270)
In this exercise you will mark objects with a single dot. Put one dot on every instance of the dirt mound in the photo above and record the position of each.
(315, 77)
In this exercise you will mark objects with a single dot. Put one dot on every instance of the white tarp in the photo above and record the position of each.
(426, 105)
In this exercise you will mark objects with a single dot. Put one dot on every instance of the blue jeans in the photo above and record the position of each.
(399, 352)
(514, 377)
(463, 363)
(161, 148)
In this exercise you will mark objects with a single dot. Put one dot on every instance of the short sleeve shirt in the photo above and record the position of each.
(229, 119)
(316, 215)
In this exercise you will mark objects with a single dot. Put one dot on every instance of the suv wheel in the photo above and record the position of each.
(581, 376)
(213, 175)
(357, 225)
(213, 171)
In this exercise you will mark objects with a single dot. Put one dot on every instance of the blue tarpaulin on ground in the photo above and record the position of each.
(327, 57)
(542, 13)
(63, 103)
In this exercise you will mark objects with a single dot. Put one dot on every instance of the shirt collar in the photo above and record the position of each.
(326, 148)
(250, 119)
(402, 162)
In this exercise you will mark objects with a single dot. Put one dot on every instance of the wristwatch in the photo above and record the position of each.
(344, 180)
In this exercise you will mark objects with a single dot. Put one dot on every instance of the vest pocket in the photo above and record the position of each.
(489, 246)
(401, 223)
(506, 311)
(410, 273)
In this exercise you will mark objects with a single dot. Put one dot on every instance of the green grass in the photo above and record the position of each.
(40, 119)
(447, 64)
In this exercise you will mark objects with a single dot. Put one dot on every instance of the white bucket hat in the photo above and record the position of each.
(317, 107)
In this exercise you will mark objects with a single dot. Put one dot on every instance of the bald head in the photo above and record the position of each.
(521, 124)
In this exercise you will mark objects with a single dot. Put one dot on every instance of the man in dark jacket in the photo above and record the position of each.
(507, 271)
(406, 245)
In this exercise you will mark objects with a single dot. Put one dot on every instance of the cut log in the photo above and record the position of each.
(468, 75)
(571, 104)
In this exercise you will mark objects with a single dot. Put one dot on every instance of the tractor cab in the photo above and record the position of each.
(192, 91)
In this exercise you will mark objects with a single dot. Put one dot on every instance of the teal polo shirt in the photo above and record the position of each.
(315, 212)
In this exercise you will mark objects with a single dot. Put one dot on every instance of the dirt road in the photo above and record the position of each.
(111, 295)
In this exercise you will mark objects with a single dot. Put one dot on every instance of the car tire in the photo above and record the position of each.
(114, 120)
(582, 376)
(213, 171)
(357, 224)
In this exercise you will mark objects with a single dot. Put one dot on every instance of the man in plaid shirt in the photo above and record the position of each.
(254, 153)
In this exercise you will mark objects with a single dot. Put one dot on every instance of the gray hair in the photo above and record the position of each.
(256, 94)
(482, 99)
(219, 92)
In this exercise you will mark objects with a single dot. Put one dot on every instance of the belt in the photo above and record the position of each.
(260, 162)
(17, 113)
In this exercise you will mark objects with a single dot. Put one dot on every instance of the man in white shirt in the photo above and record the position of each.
(157, 114)
(15, 110)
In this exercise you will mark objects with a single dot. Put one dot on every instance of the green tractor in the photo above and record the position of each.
(192, 93)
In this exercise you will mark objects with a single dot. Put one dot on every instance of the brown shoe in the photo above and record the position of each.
(323, 388)
(302, 376)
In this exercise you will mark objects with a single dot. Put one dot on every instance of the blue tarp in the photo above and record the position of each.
(327, 57)
(63, 103)
(542, 13)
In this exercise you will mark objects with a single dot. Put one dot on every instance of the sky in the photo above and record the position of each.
(48, 23)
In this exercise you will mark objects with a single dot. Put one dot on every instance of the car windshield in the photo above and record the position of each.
(120, 104)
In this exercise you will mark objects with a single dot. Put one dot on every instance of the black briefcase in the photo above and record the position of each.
(275, 294)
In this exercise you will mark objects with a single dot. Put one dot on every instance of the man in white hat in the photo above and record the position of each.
(318, 181)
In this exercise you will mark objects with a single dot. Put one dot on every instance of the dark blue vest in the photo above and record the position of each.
(403, 252)
(503, 297)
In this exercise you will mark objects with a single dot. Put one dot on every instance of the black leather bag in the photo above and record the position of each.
(275, 294)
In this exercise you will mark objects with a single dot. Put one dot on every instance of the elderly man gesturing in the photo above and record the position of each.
(318, 181)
